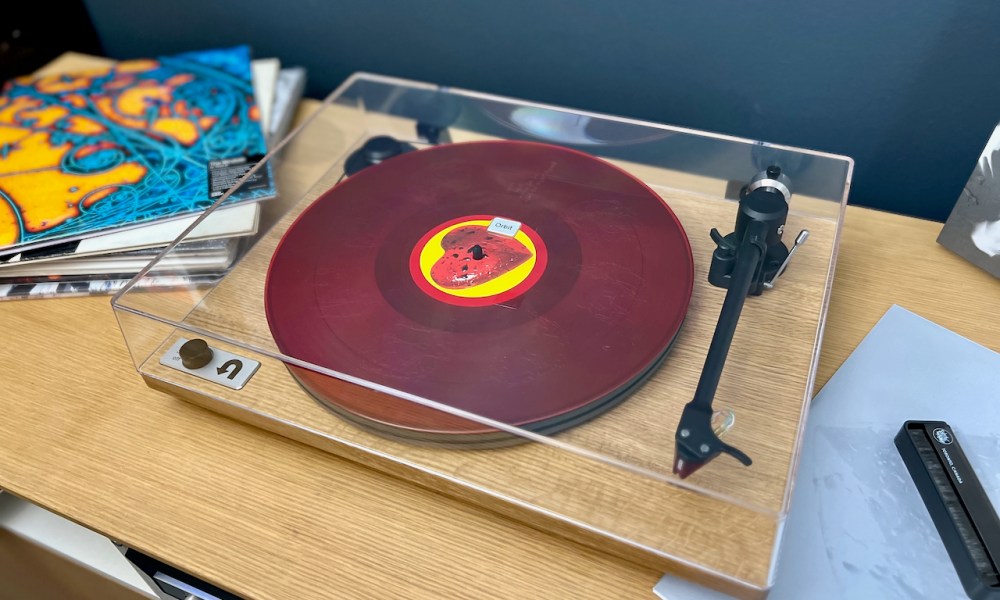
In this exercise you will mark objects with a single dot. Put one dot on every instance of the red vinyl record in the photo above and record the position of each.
(526, 283)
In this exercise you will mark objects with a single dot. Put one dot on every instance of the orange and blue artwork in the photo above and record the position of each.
(137, 142)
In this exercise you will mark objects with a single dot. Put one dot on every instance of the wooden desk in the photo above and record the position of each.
(268, 518)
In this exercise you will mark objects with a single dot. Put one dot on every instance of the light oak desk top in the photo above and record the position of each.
(80, 434)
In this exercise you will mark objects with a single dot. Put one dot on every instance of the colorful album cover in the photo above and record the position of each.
(134, 143)
(973, 228)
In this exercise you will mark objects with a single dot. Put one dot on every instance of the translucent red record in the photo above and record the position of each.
(580, 282)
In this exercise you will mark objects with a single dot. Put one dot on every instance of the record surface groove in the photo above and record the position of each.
(523, 282)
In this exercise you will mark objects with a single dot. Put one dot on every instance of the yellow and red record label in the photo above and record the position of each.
(466, 263)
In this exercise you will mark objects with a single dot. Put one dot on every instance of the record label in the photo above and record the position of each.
(463, 262)
(544, 328)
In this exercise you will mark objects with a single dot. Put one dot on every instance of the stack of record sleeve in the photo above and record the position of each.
(100, 170)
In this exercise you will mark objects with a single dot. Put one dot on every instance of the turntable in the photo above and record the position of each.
(603, 327)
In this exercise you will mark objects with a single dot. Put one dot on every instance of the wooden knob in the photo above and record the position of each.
(195, 354)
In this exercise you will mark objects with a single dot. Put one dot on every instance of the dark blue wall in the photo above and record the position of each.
(909, 89)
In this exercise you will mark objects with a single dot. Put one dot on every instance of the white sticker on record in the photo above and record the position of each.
(505, 227)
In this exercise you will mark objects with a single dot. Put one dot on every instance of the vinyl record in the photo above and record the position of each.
(527, 283)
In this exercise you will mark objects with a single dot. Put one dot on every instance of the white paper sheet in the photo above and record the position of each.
(857, 526)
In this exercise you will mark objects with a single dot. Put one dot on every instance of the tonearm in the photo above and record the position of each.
(746, 262)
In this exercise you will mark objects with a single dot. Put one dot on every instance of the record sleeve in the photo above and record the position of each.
(141, 141)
